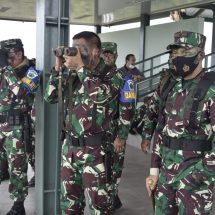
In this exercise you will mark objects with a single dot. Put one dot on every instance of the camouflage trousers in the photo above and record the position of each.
(118, 164)
(12, 143)
(83, 171)
(184, 197)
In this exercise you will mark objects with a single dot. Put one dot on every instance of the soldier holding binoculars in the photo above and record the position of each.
(91, 100)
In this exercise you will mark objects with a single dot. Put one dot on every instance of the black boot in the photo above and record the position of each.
(31, 183)
(4, 171)
(17, 209)
(117, 204)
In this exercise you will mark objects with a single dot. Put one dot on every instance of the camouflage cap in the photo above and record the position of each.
(109, 47)
(11, 44)
(188, 40)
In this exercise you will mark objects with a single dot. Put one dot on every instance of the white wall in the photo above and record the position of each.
(157, 38)
(127, 42)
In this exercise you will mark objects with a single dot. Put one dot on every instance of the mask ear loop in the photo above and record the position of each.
(200, 55)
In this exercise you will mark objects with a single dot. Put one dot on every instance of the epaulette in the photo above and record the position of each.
(119, 73)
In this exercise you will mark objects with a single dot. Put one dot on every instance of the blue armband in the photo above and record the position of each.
(31, 80)
(127, 94)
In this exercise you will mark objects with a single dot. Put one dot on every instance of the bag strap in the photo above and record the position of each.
(202, 88)
(170, 83)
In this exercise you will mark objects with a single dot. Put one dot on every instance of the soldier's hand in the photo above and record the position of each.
(119, 145)
(137, 77)
(151, 182)
(145, 146)
(58, 63)
(74, 62)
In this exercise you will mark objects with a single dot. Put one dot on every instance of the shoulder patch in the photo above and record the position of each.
(127, 94)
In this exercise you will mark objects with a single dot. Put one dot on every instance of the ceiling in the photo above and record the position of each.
(106, 12)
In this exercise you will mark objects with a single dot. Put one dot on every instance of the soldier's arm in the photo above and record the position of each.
(151, 116)
(99, 91)
(157, 141)
(126, 114)
(207, 165)
(14, 84)
(51, 91)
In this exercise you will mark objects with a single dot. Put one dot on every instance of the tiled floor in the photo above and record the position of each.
(132, 187)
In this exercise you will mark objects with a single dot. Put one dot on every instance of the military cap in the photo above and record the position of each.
(11, 44)
(188, 40)
(109, 47)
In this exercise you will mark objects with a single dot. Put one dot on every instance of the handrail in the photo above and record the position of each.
(155, 67)
(150, 87)
(155, 56)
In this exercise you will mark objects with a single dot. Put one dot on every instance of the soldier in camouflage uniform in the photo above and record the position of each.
(89, 126)
(138, 121)
(149, 112)
(182, 165)
(17, 85)
(109, 54)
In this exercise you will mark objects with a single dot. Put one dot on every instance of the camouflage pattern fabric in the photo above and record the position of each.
(109, 56)
(150, 117)
(188, 40)
(190, 174)
(11, 45)
(117, 168)
(138, 121)
(14, 97)
(17, 160)
(84, 169)
(109, 47)
(186, 196)
(103, 91)
(104, 95)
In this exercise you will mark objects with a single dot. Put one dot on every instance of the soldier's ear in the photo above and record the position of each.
(201, 55)
(96, 52)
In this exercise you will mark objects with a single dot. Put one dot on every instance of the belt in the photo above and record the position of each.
(3, 118)
(187, 145)
(14, 119)
(86, 141)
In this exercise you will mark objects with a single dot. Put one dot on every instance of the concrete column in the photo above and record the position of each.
(52, 18)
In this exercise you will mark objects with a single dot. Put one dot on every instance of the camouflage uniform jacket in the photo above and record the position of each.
(173, 123)
(150, 117)
(94, 90)
(14, 96)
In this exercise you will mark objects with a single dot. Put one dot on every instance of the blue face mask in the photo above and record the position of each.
(183, 66)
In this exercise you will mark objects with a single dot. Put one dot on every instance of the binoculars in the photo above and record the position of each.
(69, 51)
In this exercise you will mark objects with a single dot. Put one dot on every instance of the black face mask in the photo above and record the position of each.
(183, 66)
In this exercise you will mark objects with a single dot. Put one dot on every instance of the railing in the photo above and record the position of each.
(153, 66)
